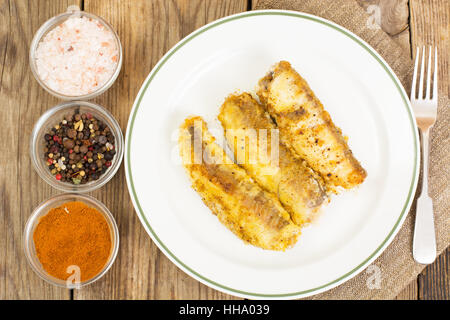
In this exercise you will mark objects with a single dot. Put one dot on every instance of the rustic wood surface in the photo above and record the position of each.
(22, 101)
(430, 25)
(147, 30)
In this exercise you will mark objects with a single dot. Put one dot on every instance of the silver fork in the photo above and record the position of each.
(425, 110)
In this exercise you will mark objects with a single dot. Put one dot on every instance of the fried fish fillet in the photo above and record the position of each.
(253, 214)
(307, 129)
(252, 136)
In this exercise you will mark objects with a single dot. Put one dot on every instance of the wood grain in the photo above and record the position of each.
(22, 101)
(394, 14)
(393, 18)
(147, 29)
(433, 282)
(430, 25)
(410, 292)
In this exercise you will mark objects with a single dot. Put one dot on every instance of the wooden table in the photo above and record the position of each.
(147, 30)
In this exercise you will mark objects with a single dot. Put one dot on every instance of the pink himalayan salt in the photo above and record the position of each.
(77, 57)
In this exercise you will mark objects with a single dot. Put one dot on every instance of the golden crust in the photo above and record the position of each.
(298, 188)
(307, 129)
(253, 214)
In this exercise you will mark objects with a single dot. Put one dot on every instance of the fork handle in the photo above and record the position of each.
(424, 242)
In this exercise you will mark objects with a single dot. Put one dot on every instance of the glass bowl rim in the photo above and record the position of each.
(37, 213)
(50, 24)
(65, 186)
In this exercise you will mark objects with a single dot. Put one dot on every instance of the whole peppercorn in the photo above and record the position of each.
(102, 139)
(71, 133)
(109, 155)
(69, 143)
(83, 148)
(79, 149)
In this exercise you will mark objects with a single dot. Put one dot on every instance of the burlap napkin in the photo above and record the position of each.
(396, 265)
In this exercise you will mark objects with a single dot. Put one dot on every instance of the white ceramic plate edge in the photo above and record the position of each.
(303, 293)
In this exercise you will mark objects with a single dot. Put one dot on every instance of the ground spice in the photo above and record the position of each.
(73, 234)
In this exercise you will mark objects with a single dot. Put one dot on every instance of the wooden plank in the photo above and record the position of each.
(392, 17)
(430, 25)
(147, 30)
(393, 14)
(433, 281)
(22, 101)
(141, 270)
(410, 292)
(216, 9)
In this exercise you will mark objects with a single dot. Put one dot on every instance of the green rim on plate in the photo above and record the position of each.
(210, 282)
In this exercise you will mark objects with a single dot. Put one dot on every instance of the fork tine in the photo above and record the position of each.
(414, 80)
(435, 77)
(422, 69)
(428, 84)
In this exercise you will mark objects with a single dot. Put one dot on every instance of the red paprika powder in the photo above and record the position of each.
(73, 234)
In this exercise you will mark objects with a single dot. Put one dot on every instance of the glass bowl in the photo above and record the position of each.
(41, 211)
(53, 117)
(52, 23)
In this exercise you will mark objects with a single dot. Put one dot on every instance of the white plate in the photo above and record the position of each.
(364, 98)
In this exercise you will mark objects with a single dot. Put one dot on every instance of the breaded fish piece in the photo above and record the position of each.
(307, 129)
(253, 214)
(267, 161)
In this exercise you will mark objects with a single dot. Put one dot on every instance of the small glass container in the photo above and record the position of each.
(56, 21)
(53, 117)
(41, 211)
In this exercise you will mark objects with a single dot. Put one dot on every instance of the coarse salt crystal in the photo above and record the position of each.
(77, 57)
